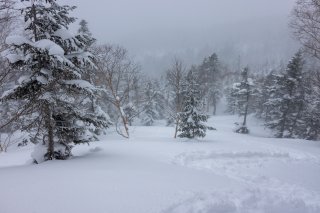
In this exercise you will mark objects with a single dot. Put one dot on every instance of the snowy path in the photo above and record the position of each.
(151, 172)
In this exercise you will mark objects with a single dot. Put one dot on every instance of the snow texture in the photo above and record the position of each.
(154, 173)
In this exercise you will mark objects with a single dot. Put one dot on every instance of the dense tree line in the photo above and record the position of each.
(286, 100)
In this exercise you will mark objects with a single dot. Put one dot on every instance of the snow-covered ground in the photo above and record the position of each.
(152, 172)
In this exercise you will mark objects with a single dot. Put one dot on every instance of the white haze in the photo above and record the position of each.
(154, 31)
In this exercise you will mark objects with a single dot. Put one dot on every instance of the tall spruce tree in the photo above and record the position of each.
(265, 89)
(210, 81)
(191, 119)
(231, 98)
(92, 103)
(243, 93)
(85, 35)
(309, 126)
(286, 102)
(150, 113)
(51, 61)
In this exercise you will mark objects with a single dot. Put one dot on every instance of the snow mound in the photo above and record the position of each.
(96, 149)
(39, 152)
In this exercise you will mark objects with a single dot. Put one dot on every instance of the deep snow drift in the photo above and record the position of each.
(152, 172)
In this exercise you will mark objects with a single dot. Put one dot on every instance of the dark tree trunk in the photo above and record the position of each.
(214, 108)
(246, 111)
(176, 129)
(49, 127)
(283, 124)
(34, 13)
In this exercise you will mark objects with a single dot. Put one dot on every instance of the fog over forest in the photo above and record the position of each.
(160, 106)
(254, 31)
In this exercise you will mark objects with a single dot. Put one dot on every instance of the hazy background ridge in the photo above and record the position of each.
(254, 31)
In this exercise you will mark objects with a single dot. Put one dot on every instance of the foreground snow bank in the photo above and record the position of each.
(151, 172)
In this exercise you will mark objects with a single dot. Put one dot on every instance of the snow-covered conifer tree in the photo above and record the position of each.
(191, 119)
(210, 81)
(93, 106)
(232, 104)
(51, 60)
(153, 104)
(286, 102)
(309, 125)
(243, 92)
(149, 114)
(85, 35)
(265, 89)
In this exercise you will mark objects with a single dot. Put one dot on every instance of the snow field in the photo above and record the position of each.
(151, 172)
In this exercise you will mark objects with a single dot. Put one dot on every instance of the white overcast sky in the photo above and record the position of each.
(156, 27)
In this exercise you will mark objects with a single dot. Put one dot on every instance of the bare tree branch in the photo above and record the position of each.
(305, 22)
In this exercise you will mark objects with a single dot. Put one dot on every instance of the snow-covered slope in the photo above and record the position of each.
(152, 172)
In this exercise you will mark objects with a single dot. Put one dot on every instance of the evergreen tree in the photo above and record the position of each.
(92, 103)
(243, 93)
(159, 99)
(153, 104)
(149, 114)
(191, 119)
(265, 89)
(51, 61)
(85, 35)
(210, 81)
(309, 127)
(286, 102)
(231, 98)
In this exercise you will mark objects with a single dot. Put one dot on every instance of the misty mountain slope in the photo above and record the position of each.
(152, 172)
